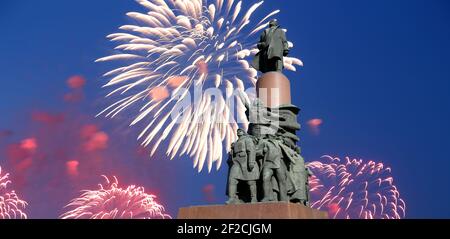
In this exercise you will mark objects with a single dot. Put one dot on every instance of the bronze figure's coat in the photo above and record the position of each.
(273, 46)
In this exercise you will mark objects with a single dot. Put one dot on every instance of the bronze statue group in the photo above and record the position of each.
(265, 164)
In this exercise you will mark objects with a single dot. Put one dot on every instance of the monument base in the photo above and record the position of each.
(275, 210)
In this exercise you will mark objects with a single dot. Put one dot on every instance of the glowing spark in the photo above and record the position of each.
(314, 125)
(72, 167)
(29, 145)
(159, 93)
(76, 82)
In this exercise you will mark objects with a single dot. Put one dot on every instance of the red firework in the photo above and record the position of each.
(352, 189)
(11, 207)
(314, 125)
(113, 202)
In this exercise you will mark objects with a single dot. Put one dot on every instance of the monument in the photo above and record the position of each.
(267, 177)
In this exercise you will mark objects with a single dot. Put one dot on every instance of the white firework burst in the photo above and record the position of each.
(175, 48)
(11, 206)
(354, 189)
(114, 202)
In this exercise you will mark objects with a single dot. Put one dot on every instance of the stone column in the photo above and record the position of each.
(274, 89)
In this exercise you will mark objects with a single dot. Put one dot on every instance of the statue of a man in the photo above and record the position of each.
(273, 168)
(273, 46)
(243, 167)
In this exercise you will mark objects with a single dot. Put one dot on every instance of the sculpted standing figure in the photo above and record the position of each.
(273, 46)
(243, 167)
(297, 174)
(273, 168)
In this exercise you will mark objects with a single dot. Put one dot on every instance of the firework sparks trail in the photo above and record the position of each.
(174, 49)
(353, 189)
(11, 207)
(113, 202)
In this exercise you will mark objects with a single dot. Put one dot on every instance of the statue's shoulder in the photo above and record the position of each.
(247, 137)
(280, 31)
(250, 139)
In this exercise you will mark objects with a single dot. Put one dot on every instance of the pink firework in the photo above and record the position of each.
(113, 202)
(352, 189)
(11, 207)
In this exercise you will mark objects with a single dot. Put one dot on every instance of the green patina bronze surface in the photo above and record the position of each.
(273, 46)
(267, 161)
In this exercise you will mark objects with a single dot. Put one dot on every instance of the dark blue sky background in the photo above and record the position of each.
(377, 73)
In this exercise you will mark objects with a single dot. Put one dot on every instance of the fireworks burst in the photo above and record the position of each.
(113, 202)
(351, 189)
(174, 49)
(11, 207)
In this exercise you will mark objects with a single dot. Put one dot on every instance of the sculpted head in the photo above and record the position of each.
(240, 133)
(273, 23)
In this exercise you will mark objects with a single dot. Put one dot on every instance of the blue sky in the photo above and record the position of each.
(376, 72)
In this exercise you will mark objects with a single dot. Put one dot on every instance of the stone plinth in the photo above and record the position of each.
(275, 210)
